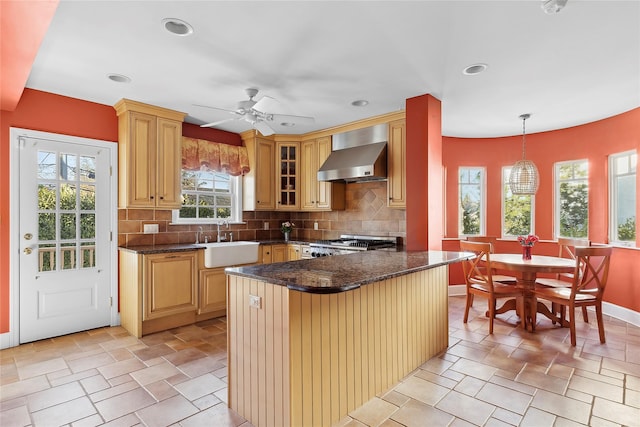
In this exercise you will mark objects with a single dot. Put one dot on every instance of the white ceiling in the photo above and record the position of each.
(315, 57)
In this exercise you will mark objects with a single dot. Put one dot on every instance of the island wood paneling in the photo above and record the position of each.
(307, 359)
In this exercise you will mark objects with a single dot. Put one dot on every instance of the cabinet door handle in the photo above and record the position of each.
(161, 197)
(151, 197)
(172, 256)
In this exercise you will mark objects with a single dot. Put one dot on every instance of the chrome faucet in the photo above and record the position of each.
(198, 233)
(218, 224)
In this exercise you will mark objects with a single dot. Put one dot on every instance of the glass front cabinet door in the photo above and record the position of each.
(288, 171)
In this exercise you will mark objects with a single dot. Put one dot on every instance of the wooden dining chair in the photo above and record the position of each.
(566, 248)
(588, 286)
(479, 281)
(492, 240)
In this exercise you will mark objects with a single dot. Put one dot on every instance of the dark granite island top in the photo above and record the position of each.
(346, 272)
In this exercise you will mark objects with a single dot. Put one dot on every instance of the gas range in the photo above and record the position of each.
(347, 244)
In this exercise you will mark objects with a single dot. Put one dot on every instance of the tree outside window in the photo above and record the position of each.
(622, 197)
(517, 210)
(572, 199)
(471, 184)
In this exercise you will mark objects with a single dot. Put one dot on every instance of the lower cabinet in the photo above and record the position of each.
(274, 253)
(169, 284)
(213, 292)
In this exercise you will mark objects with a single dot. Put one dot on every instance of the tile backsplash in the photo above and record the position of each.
(366, 213)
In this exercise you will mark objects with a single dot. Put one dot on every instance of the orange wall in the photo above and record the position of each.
(594, 142)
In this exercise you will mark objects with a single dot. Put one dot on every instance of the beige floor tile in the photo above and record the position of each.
(90, 421)
(64, 413)
(374, 412)
(621, 414)
(161, 390)
(114, 391)
(16, 417)
(154, 373)
(54, 396)
(537, 418)
(65, 379)
(505, 398)
(467, 408)
(513, 385)
(167, 412)
(436, 379)
(415, 414)
(94, 384)
(125, 403)
(597, 388)
(565, 407)
(206, 401)
(200, 386)
(41, 368)
(542, 381)
(474, 369)
(90, 362)
(469, 386)
(507, 417)
(419, 389)
(218, 415)
(124, 421)
(120, 368)
(23, 388)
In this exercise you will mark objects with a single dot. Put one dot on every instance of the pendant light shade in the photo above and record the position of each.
(524, 178)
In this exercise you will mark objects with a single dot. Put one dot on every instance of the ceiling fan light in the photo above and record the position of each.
(553, 6)
(524, 178)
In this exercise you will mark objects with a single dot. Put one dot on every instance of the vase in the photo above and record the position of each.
(526, 252)
(286, 236)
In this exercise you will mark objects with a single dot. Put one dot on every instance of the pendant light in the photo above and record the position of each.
(524, 178)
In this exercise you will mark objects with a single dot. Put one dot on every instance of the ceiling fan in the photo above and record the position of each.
(259, 114)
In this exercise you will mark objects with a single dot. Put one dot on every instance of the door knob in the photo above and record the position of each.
(28, 236)
(27, 251)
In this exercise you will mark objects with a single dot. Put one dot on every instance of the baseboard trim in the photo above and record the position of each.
(620, 313)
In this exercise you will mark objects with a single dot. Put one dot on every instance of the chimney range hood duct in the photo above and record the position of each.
(358, 155)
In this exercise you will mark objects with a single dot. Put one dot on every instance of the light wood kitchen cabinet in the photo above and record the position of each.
(259, 183)
(157, 291)
(149, 156)
(287, 175)
(293, 252)
(273, 253)
(213, 291)
(318, 195)
(396, 165)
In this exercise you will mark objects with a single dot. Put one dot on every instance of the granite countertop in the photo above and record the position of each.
(346, 272)
(181, 247)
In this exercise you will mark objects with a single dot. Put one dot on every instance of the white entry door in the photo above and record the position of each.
(65, 243)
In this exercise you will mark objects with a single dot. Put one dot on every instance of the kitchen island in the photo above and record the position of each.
(311, 340)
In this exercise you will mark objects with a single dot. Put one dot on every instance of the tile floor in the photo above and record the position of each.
(178, 378)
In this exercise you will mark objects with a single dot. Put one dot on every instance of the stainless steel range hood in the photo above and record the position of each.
(358, 155)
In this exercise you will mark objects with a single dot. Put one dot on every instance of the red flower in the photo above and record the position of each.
(530, 240)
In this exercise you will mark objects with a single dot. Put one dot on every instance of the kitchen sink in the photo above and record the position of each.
(227, 254)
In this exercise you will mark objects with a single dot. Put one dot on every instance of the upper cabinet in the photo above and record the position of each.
(259, 183)
(287, 178)
(150, 153)
(314, 194)
(396, 165)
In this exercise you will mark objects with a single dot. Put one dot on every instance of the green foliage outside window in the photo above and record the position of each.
(627, 230)
(470, 216)
(517, 215)
(574, 210)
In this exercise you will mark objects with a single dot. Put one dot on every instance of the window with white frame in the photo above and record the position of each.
(209, 196)
(471, 201)
(622, 198)
(572, 199)
(517, 210)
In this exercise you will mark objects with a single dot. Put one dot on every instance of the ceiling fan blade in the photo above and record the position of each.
(263, 128)
(266, 104)
(216, 108)
(285, 118)
(219, 122)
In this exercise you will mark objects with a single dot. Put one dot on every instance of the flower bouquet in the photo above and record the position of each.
(527, 243)
(286, 228)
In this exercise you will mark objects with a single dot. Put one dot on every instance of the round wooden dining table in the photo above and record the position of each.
(526, 279)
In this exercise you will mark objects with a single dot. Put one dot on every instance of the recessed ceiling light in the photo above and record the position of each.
(177, 26)
(119, 78)
(360, 103)
(287, 124)
(474, 69)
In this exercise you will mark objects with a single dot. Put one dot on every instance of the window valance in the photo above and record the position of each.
(200, 154)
